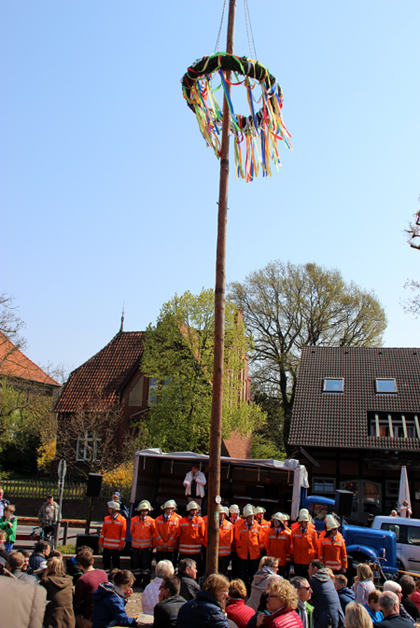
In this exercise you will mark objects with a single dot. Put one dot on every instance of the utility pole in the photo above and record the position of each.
(219, 325)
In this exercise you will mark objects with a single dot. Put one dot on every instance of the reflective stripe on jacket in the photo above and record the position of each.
(167, 531)
(278, 545)
(304, 545)
(248, 540)
(142, 532)
(191, 536)
(113, 532)
(332, 552)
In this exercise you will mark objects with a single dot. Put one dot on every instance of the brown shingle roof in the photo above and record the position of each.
(340, 419)
(14, 363)
(103, 377)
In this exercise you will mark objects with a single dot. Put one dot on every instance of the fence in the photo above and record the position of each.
(39, 490)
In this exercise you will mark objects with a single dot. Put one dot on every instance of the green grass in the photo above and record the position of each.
(69, 548)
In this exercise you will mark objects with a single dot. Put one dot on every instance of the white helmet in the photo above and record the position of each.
(260, 509)
(331, 523)
(279, 516)
(171, 503)
(192, 506)
(113, 505)
(234, 508)
(248, 510)
(144, 505)
(304, 515)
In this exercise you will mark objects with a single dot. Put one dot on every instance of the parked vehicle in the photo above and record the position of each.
(407, 532)
(363, 544)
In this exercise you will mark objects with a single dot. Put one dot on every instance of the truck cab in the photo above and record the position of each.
(363, 544)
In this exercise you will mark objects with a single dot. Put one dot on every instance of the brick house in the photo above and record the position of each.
(355, 422)
(112, 379)
(21, 372)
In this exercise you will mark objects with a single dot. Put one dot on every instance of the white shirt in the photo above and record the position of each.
(151, 596)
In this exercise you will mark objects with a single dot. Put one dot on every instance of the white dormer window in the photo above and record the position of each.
(385, 386)
(333, 384)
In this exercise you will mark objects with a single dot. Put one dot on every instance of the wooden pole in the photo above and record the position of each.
(219, 327)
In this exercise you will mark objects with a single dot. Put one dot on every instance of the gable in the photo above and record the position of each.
(102, 378)
(14, 363)
(344, 419)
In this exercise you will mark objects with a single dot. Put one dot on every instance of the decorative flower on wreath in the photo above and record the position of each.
(260, 130)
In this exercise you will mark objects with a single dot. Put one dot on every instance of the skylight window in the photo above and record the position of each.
(335, 385)
(386, 386)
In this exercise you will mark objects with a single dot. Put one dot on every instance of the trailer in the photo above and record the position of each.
(159, 476)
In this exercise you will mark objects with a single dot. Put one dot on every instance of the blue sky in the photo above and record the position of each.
(108, 192)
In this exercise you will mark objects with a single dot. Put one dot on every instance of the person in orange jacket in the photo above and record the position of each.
(332, 548)
(167, 532)
(142, 531)
(112, 537)
(225, 541)
(192, 535)
(234, 513)
(303, 544)
(248, 537)
(277, 542)
(264, 525)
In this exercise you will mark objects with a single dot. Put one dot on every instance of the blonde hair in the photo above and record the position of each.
(330, 572)
(237, 589)
(286, 593)
(364, 572)
(55, 567)
(268, 561)
(214, 583)
(357, 616)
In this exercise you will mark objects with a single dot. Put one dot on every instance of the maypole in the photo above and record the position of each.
(259, 133)
(219, 325)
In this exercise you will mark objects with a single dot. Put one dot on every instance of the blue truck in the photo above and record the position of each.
(363, 544)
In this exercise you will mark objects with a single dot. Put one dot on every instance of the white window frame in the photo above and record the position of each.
(385, 379)
(333, 379)
(86, 441)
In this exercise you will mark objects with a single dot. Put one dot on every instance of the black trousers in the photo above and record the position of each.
(247, 568)
(224, 564)
(141, 561)
(302, 570)
(107, 556)
(166, 556)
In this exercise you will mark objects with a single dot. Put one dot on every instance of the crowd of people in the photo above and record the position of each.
(271, 574)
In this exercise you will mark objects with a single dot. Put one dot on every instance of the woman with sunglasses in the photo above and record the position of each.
(282, 602)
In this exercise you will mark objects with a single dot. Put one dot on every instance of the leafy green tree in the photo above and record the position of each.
(267, 440)
(178, 359)
(287, 307)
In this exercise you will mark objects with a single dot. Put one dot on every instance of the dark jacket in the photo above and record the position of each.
(203, 612)
(59, 612)
(410, 607)
(346, 596)
(394, 621)
(36, 560)
(108, 606)
(325, 600)
(165, 613)
(189, 587)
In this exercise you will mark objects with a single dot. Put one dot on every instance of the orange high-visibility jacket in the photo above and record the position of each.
(332, 552)
(265, 526)
(191, 536)
(142, 532)
(113, 532)
(166, 531)
(248, 540)
(278, 545)
(304, 545)
(234, 524)
(225, 538)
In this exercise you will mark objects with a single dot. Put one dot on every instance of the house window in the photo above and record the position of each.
(385, 386)
(393, 425)
(392, 488)
(333, 385)
(154, 385)
(88, 447)
(323, 485)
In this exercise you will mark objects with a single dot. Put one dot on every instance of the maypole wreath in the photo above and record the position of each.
(260, 130)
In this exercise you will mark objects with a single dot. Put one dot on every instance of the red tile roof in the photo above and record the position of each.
(341, 419)
(14, 363)
(103, 377)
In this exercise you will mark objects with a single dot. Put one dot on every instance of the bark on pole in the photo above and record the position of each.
(219, 326)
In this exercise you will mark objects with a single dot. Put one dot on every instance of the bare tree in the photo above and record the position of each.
(412, 306)
(10, 327)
